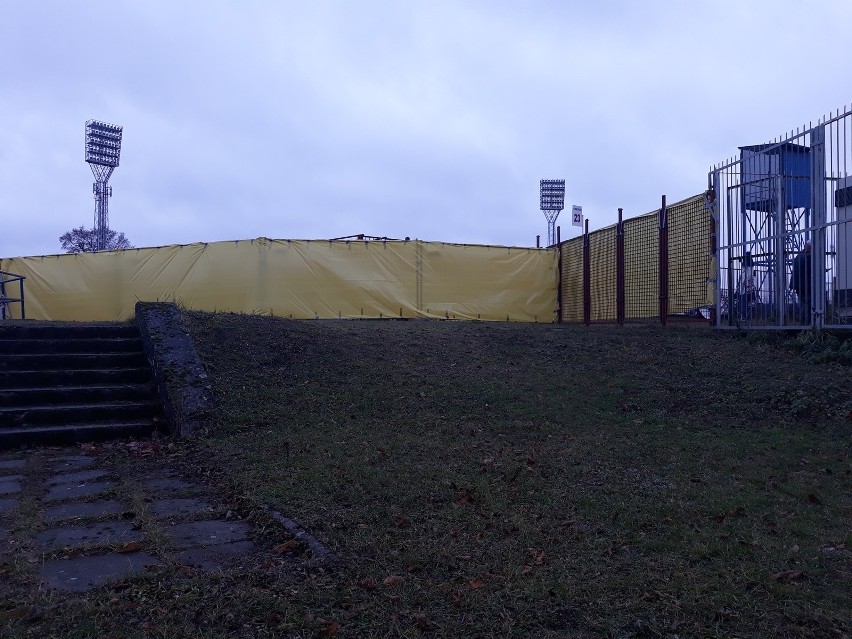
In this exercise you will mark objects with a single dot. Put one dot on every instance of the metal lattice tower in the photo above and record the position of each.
(552, 202)
(103, 149)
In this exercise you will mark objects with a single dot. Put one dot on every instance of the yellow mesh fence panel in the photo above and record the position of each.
(572, 280)
(641, 267)
(688, 266)
(689, 254)
(602, 267)
(297, 278)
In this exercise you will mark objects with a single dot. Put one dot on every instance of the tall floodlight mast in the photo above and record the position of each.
(552, 202)
(103, 148)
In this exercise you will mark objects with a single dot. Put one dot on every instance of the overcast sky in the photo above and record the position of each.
(431, 119)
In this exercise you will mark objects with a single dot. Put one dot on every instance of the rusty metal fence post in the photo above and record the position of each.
(664, 263)
(559, 275)
(619, 270)
(587, 278)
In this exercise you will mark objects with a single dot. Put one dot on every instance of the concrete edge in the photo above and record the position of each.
(318, 550)
(179, 375)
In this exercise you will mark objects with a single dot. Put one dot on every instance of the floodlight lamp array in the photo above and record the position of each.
(103, 143)
(552, 195)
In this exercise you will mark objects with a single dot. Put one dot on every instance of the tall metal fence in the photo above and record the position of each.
(655, 266)
(783, 215)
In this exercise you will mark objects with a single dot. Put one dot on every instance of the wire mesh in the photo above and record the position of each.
(689, 256)
(602, 259)
(572, 280)
(641, 267)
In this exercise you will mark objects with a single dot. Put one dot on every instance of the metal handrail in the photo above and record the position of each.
(5, 300)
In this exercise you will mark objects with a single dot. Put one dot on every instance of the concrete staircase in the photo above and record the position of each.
(66, 383)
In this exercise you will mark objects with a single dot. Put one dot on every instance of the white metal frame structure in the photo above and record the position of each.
(768, 204)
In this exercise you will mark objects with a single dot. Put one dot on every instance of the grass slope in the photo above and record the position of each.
(530, 480)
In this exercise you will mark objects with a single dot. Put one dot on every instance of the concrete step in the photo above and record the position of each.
(69, 414)
(43, 361)
(73, 377)
(57, 346)
(63, 330)
(49, 395)
(63, 435)
(62, 383)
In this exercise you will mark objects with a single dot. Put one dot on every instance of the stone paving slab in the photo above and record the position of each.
(78, 477)
(4, 535)
(74, 491)
(96, 534)
(71, 462)
(6, 478)
(167, 483)
(84, 573)
(88, 510)
(10, 487)
(179, 507)
(10, 464)
(7, 504)
(208, 532)
(210, 558)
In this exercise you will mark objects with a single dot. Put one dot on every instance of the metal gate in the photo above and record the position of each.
(783, 213)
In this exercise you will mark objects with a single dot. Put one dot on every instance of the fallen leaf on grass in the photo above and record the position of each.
(464, 497)
(26, 614)
(421, 622)
(457, 599)
(476, 584)
(787, 575)
(329, 631)
(367, 582)
(393, 580)
(814, 499)
(287, 546)
(402, 522)
(131, 546)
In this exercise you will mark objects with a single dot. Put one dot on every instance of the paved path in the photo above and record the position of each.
(83, 520)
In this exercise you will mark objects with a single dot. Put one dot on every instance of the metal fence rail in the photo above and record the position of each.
(6, 301)
(784, 216)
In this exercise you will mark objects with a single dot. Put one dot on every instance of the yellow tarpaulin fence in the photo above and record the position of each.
(297, 278)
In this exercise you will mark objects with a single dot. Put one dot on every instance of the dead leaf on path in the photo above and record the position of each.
(131, 546)
(393, 580)
(287, 546)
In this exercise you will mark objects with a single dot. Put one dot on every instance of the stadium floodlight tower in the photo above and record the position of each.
(552, 202)
(103, 148)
